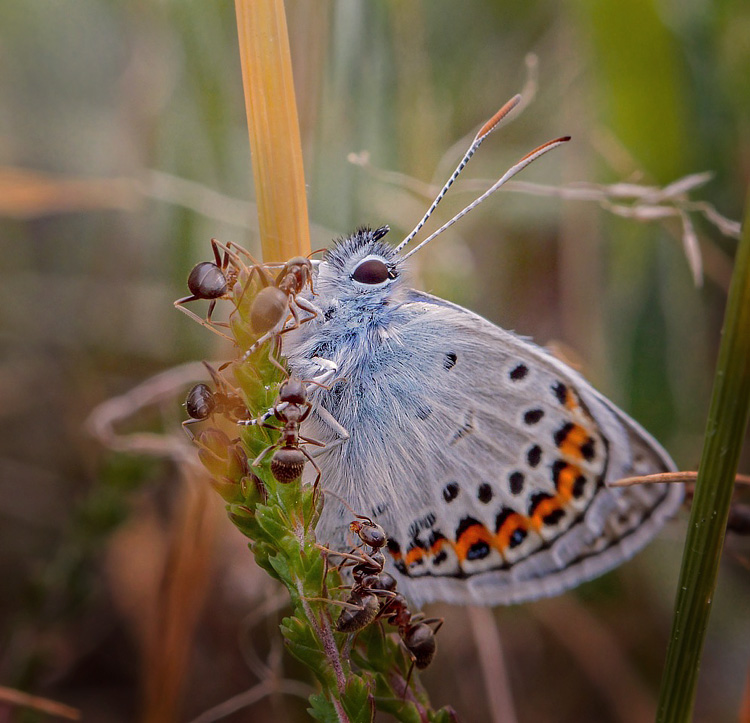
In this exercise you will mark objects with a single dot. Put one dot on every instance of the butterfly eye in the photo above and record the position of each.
(372, 271)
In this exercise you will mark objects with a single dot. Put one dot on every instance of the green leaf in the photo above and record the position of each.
(357, 701)
(444, 715)
(303, 644)
(322, 709)
(725, 433)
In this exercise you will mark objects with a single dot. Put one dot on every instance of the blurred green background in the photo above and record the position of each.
(123, 150)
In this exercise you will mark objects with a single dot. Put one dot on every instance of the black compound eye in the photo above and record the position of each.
(371, 271)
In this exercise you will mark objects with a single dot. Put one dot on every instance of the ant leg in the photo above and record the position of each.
(229, 255)
(215, 245)
(257, 421)
(276, 347)
(307, 306)
(260, 457)
(190, 435)
(408, 675)
(345, 555)
(317, 469)
(329, 368)
(253, 261)
(179, 304)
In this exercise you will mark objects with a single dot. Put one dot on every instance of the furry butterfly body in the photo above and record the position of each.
(485, 459)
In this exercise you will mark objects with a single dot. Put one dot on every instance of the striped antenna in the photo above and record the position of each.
(528, 158)
(484, 131)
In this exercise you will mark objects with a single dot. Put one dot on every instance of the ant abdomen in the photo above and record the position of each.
(419, 640)
(352, 620)
(207, 281)
(269, 308)
(287, 464)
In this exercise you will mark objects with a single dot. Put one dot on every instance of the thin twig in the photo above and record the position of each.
(252, 696)
(43, 705)
(668, 478)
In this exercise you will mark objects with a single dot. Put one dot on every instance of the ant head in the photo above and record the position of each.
(295, 274)
(369, 532)
(293, 391)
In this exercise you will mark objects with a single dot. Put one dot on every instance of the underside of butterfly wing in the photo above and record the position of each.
(486, 460)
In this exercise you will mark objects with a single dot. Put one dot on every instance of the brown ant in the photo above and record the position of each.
(414, 630)
(373, 596)
(292, 408)
(202, 402)
(212, 281)
(371, 582)
(280, 298)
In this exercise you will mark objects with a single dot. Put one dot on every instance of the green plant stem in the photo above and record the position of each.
(725, 431)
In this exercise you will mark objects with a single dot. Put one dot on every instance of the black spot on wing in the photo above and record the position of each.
(518, 372)
(534, 455)
(515, 482)
(533, 416)
(450, 491)
(560, 391)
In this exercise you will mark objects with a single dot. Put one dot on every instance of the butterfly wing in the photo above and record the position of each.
(486, 460)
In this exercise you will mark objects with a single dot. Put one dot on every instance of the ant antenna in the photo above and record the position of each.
(512, 171)
(484, 131)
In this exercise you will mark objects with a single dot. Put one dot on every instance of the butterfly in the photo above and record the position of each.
(486, 460)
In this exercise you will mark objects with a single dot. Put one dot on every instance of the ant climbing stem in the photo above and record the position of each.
(202, 403)
(277, 301)
(211, 281)
(373, 596)
(292, 407)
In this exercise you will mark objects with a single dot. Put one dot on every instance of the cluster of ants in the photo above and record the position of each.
(276, 309)
(373, 596)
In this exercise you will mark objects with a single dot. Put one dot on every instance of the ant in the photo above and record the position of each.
(212, 281)
(414, 630)
(292, 408)
(272, 306)
(371, 583)
(202, 403)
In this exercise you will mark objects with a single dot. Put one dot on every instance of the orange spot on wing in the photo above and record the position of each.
(574, 440)
(571, 402)
(470, 536)
(544, 508)
(438, 545)
(565, 481)
(510, 525)
(413, 554)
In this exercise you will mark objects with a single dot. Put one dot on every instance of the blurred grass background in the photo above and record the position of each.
(123, 150)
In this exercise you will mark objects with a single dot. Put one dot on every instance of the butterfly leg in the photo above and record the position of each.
(332, 423)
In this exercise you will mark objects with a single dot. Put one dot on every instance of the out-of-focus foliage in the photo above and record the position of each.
(123, 150)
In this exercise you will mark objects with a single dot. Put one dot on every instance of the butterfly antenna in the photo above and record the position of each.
(484, 131)
(512, 171)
